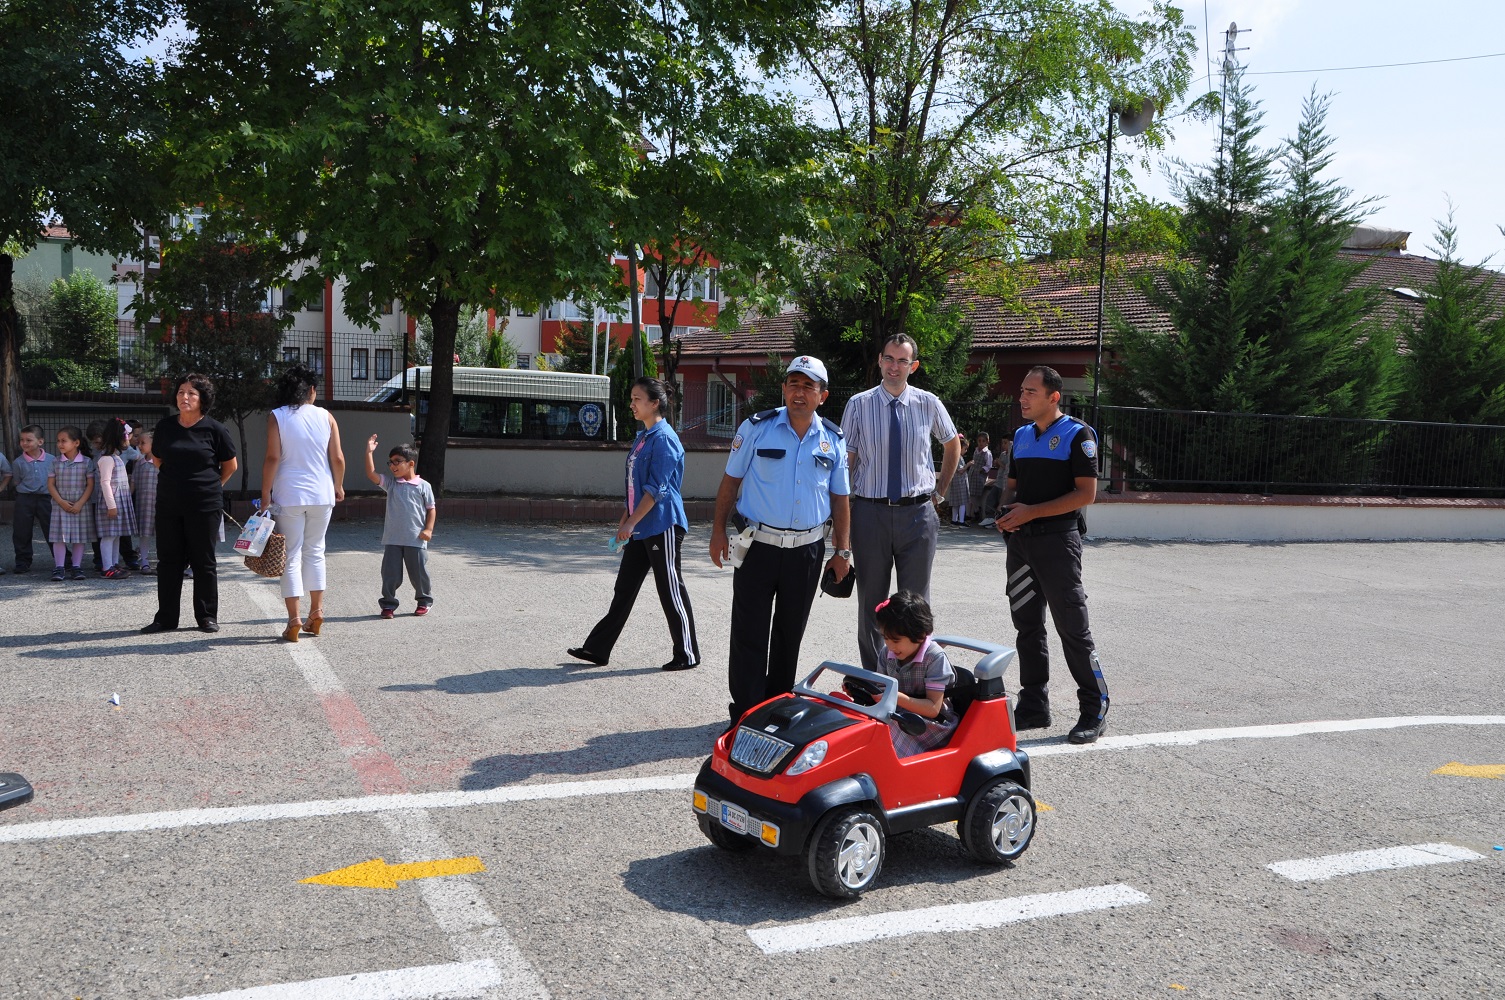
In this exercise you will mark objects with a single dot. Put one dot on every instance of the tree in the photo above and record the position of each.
(1454, 367)
(961, 133)
(81, 323)
(1266, 312)
(470, 339)
(500, 351)
(212, 293)
(77, 142)
(442, 153)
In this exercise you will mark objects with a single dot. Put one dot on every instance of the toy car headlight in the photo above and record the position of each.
(811, 756)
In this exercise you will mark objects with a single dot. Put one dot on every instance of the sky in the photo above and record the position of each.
(1412, 136)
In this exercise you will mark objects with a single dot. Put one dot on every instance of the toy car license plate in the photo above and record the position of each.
(734, 817)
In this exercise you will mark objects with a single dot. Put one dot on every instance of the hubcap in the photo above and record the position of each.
(1012, 824)
(858, 860)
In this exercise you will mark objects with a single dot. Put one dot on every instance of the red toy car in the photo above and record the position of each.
(814, 774)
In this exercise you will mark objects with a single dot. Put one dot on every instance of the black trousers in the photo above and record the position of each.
(771, 596)
(661, 554)
(1045, 571)
(31, 509)
(187, 539)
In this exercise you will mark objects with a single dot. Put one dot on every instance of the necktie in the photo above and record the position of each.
(895, 435)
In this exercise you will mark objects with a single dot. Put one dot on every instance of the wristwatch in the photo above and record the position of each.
(845, 554)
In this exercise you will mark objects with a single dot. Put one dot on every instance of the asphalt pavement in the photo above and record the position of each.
(1271, 704)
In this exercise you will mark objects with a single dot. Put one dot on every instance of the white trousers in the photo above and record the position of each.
(304, 529)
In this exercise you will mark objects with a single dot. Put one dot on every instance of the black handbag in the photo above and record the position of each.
(829, 584)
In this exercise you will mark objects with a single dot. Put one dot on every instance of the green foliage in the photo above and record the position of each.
(470, 339)
(1266, 313)
(573, 344)
(62, 374)
(81, 325)
(963, 133)
(500, 351)
(1454, 367)
(621, 382)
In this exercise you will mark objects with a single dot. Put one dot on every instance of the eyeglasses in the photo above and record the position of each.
(397, 461)
(889, 362)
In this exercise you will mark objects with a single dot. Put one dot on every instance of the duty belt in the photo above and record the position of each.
(787, 539)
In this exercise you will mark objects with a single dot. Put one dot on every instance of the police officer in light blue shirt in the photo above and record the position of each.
(786, 476)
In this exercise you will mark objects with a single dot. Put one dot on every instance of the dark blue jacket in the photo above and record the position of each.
(656, 468)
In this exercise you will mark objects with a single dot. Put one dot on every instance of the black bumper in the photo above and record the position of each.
(796, 821)
(14, 790)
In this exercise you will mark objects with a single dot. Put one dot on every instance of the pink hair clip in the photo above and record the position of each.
(880, 607)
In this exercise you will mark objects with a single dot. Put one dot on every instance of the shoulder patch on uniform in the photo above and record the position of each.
(1089, 448)
(761, 416)
(736, 442)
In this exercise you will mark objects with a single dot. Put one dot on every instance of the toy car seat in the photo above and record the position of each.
(962, 691)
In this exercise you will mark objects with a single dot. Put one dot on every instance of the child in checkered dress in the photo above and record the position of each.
(144, 493)
(71, 483)
(114, 511)
(922, 670)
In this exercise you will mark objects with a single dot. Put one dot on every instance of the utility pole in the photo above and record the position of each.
(637, 310)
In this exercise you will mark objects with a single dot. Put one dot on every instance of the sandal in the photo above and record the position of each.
(291, 632)
(312, 625)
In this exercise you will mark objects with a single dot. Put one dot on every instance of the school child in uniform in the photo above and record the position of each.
(33, 507)
(408, 528)
(921, 668)
(114, 510)
(71, 484)
(144, 494)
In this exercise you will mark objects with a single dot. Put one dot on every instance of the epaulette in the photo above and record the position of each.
(834, 428)
(758, 418)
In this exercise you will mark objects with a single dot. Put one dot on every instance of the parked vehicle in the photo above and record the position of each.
(513, 404)
(814, 774)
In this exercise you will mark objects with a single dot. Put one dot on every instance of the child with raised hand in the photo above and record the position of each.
(144, 494)
(115, 511)
(71, 483)
(408, 528)
(921, 668)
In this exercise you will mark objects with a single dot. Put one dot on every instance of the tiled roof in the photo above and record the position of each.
(1060, 308)
(54, 231)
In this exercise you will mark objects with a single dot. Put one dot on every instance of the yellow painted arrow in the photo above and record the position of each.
(377, 874)
(1458, 770)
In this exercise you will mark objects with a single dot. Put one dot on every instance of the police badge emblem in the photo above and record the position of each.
(1055, 442)
(1089, 448)
(825, 446)
(736, 442)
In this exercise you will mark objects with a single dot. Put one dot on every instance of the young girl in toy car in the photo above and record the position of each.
(921, 668)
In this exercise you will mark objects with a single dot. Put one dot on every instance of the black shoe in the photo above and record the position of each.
(152, 628)
(1087, 729)
(1031, 718)
(20, 570)
(208, 625)
(581, 653)
(680, 665)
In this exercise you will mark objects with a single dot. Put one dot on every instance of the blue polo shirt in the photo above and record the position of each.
(787, 480)
(31, 477)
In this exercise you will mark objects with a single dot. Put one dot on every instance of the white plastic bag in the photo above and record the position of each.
(253, 537)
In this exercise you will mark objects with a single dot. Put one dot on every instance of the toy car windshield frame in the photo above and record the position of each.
(886, 705)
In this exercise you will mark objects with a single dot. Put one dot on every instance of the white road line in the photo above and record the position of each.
(462, 913)
(1333, 865)
(941, 919)
(1190, 737)
(425, 982)
(316, 669)
(133, 823)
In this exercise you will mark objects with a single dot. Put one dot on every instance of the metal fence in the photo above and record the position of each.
(1192, 450)
(53, 415)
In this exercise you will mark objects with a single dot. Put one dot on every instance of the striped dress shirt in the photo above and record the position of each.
(865, 423)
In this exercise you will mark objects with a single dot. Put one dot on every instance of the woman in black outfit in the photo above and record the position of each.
(196, 457)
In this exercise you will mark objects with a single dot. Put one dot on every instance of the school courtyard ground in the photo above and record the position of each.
(1301, 793)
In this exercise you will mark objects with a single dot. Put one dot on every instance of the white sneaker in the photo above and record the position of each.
(987, 523)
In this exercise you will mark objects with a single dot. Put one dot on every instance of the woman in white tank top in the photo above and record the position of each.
(302, 479)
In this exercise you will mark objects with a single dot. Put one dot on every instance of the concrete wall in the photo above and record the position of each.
(355, 427)
(565, 470)
(1295, 519)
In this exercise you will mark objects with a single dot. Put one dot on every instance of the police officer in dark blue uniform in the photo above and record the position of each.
(786, 476)
(1052, 475)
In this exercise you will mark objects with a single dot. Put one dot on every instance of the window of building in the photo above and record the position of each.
(291, 355)
(360, 360)
(315, 360)
(720, 408)
(315, 304)
(567, 310)
(386, 308)
(383, 363)
(525, 361)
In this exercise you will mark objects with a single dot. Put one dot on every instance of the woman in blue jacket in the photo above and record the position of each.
(653, 526)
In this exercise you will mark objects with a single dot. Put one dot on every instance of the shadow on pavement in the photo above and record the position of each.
(601, 754)
(759, 886)
(497, 681)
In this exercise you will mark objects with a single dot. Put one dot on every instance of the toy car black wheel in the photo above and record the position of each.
(846, 853)
(999, 823)
(723, 838)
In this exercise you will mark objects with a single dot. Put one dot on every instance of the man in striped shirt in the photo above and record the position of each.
(894, 488)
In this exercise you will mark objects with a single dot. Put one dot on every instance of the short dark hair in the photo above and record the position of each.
(658, 391)
(112, 436)
(201, 385)
(982, 436)
(1048, 375)
(406, 452)
(294, 385)
(35, 430)
(906, 340)
(73, 432)
(906, 614)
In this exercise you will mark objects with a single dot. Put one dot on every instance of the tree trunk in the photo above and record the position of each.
(245, 458)
(444, 316)
(12, 393)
